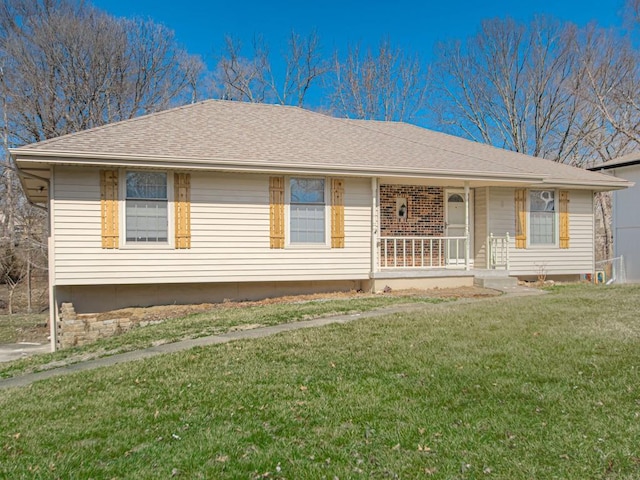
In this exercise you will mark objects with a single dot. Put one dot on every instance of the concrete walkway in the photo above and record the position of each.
(24, 380)
(15, 351)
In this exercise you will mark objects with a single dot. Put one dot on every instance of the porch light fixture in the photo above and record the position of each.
(402, 210)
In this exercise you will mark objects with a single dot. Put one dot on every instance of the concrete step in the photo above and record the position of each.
(497, 283)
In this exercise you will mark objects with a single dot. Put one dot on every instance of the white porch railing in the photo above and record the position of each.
(498, 254)
(422, 252)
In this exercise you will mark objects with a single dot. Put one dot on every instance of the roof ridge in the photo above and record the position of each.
(243, 133)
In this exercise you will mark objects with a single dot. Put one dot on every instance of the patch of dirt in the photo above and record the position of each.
(36, 334)
(165, 312)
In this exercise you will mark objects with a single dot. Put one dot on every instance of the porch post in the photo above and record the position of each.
(374, 225)
(466, 226)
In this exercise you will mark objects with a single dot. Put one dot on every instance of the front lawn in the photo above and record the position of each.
(221, 318)
(510, 388)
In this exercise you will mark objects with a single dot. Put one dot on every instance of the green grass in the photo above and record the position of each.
(219, 320)
(512, 388)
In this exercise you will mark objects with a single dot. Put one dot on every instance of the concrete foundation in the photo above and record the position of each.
(419, 278)
(103, 298)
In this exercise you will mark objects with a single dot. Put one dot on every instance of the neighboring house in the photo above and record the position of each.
(228, 200)
(626, 214)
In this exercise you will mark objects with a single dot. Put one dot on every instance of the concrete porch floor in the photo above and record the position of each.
(402, 278)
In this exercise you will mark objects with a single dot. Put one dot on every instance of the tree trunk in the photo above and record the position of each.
(29, 290)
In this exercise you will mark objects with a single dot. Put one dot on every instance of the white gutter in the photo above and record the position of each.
(74, 158)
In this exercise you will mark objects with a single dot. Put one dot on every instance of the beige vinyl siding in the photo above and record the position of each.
(230, 237)
(550, 260)
(480, 226)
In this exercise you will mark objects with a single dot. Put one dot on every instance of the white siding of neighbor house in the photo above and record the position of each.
(229, 243)
(626, 222)
(547, 260)
(480, 254)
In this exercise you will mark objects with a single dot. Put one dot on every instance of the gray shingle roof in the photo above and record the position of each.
(262, 136)
(624, 161)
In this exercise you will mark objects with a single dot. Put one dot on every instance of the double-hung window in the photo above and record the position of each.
(146, 213)
(307, 214)
(542, 219)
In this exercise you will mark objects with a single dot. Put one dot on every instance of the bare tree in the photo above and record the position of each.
(24, 256)
(70, 67)
(253, 78)
(66, 66)
(387, 84)
(611, 88)
(516, 86)
(546, 89)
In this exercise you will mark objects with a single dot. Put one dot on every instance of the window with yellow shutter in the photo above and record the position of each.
(315, 207)
(145, 208)
(542, 218)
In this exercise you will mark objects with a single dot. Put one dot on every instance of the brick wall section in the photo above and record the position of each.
(81, 329)
(425, 218)
(425, 211)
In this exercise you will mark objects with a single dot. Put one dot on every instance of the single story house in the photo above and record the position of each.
(626, 214)
(228, 200)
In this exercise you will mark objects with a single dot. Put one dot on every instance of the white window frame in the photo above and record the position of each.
(327, 212)
(122, 210)
(556, 220)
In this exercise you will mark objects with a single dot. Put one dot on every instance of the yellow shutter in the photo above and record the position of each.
(521, 217)
(109, 207)
(276, 211)
(564, 219)
(182, 202)
(337, 213)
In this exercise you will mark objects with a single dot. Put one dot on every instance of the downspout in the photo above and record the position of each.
(466, 226)
(593, 235)
(53, 300)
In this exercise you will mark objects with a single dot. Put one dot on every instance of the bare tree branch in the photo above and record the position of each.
(253, 78)
(385, 85)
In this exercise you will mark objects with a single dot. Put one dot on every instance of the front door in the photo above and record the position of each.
(455, 223)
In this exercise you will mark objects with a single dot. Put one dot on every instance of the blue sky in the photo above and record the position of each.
(413, 25)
